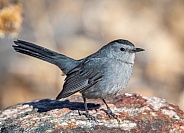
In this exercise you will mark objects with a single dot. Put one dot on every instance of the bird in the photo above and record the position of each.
(100, 75)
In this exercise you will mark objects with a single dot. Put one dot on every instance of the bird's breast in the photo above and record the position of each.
(114, 80)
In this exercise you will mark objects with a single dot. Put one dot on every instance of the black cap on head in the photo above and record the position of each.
(121, 41)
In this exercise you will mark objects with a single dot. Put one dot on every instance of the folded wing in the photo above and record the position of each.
(81, 77)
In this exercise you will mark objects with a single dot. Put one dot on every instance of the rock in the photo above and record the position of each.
(135, 113)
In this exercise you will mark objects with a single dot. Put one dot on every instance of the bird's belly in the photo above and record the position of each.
(110, 85)
(102, 91)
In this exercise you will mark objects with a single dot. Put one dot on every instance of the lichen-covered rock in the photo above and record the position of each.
(135, 114)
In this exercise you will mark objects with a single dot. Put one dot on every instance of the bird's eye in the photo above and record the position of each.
(122, 49)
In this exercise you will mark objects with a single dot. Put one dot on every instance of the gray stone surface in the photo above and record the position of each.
(135, 113)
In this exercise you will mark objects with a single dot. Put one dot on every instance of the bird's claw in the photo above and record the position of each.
(111, 114)
(90, 117)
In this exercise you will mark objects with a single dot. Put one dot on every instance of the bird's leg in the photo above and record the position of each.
(90, 117)
(109, 112)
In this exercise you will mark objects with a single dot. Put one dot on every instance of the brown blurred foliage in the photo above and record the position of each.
(78, 28)
(10, 19)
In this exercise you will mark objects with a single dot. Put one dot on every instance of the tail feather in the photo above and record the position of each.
(37, 55)
(63, 62)
(35, 51)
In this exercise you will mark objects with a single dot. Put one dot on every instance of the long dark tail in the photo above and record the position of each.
(63, 62)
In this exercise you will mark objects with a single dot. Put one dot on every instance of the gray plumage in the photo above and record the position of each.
(100, 75)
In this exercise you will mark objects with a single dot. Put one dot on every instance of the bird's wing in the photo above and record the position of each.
(81, 77)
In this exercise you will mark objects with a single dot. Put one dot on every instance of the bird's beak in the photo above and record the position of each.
(137, 50)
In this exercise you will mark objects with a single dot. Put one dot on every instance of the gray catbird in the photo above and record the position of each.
(99, 75)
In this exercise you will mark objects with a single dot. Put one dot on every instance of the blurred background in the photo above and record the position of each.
(79, 28)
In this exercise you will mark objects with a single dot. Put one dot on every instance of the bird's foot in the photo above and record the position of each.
(111, 114)
(88, 116)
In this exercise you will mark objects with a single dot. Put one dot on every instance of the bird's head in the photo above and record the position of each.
(120, 49)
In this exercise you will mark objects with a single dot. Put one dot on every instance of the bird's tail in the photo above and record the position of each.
(63, 62)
